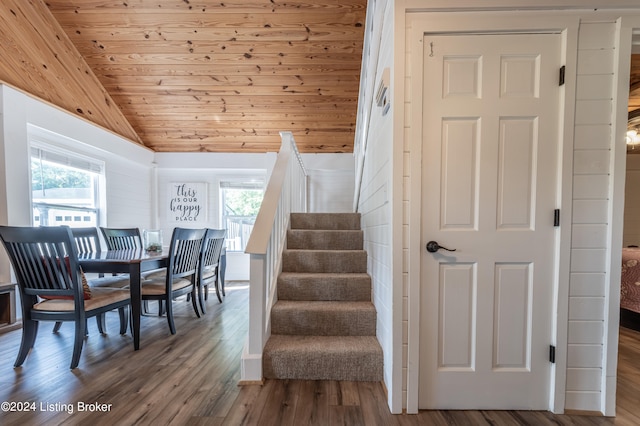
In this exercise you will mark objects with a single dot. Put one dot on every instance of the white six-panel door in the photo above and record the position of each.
(490, 173)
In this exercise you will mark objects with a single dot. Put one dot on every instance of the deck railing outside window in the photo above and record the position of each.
(241, 200)
(238, 231)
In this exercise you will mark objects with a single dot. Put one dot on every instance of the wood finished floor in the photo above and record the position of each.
(191, 379)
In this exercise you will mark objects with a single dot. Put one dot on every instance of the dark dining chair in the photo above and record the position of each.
(122, 238)
(209, 265)
(88, 241)
(126, 239)
(180, 276)
(45, 263)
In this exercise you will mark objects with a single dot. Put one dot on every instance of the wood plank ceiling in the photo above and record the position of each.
(198, 75)
(225, 76)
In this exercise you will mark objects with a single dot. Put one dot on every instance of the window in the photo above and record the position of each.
(64, 187)
(240, 205)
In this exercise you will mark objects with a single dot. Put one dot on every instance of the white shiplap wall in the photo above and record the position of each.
(127, 164)
(591, 174)
(23, 117)
(128, 194)
(375, 203)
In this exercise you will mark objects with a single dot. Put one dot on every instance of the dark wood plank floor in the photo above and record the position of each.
(192, 379)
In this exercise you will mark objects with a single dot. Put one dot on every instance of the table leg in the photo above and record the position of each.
(223, 268)
(136, 303)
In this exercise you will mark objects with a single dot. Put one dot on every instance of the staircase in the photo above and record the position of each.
(323, 326)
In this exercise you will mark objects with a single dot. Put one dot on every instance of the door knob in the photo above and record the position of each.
(433, 246)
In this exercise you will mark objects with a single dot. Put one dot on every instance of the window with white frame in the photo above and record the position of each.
(65, 187)
(240, 203)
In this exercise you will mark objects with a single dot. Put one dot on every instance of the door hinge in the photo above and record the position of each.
(561, 81)
(552, 354)
(556, 217)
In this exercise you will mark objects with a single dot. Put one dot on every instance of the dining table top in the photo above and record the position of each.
(127, 255)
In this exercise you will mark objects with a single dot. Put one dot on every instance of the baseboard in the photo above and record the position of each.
(250, 382)
(250, 367)
(5, 328)
(583, 413)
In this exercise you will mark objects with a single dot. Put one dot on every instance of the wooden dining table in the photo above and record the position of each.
(133, 262)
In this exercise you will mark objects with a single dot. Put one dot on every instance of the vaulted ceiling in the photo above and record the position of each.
(202, 75)
(198, 75)
(194, 75)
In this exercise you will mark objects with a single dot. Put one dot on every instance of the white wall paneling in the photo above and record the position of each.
(127, 164)
(380, 202)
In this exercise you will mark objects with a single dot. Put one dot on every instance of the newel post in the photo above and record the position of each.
(252, 356)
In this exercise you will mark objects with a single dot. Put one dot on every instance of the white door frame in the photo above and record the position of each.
(625, 29)
(496, 22)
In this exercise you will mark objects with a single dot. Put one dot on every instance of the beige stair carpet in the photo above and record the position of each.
(323, 325)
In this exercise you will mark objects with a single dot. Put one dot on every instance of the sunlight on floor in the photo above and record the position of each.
(231, 286)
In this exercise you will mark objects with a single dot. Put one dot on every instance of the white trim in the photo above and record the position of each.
(625, 27)
(63, 150)
(397, 205)
(414, 42)
(64, 157)
(250, 366)
(564, 202)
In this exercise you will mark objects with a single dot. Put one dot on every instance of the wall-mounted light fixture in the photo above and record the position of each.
(382, 94)
(633, 131)
(633, 138)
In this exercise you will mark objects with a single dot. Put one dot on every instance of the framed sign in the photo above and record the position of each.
(187, 202)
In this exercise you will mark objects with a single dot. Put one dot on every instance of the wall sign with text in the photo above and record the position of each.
(187, 202)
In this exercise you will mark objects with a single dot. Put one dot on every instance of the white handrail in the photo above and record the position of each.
(286, 193)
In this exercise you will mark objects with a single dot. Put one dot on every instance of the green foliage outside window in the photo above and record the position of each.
(45, 175)
(243, 202)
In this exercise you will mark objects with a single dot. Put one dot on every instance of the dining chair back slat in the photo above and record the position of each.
(185, 261)
(209, 266)
(122, 238)
(86, 239)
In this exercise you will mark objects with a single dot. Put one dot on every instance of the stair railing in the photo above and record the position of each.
(286, 193)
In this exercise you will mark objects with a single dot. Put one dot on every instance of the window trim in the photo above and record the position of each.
(67, 158)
